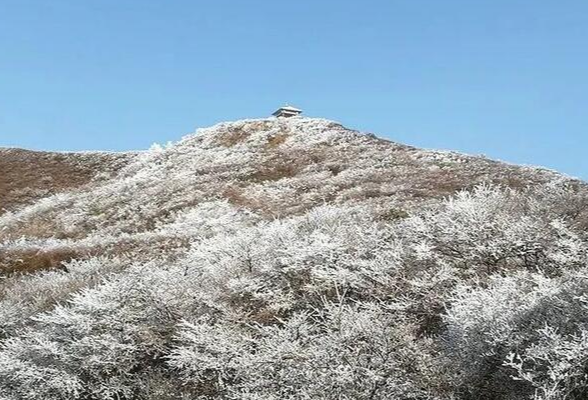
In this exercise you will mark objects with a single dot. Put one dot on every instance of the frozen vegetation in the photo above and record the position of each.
(287, 259)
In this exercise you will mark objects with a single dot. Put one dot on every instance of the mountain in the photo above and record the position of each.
(290, 258)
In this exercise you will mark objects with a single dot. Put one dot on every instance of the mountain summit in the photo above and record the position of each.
(289, 258)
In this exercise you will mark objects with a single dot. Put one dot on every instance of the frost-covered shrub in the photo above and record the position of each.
(555, 365)
(530, 322)
(287, 264)
(470, 237)
(338, 352)
(104, 339)
(25, 296)
(495, 229)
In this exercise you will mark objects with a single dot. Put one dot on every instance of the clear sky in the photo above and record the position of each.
(505, 78)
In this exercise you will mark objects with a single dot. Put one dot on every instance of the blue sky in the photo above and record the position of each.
(505, 78)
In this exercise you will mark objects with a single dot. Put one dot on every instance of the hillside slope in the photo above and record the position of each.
(292, 259)
(27, 176)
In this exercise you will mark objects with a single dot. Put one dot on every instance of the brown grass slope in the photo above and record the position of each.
(27, 176)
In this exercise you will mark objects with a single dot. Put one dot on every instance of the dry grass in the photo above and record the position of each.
(235, 196)
(27, 176)
(277, 140)
(275, 172)
(233, 136)
(32, 260)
